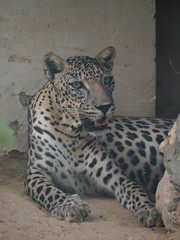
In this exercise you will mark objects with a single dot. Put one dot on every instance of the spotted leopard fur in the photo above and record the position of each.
(76, 146)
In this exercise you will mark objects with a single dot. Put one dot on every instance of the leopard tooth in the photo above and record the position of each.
(96, 124)
(105, 121)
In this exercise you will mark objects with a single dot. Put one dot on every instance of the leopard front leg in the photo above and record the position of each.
(60, 205)
(73, 209)
(132, 197)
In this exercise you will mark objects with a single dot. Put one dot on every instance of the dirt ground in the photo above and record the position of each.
(23, 219)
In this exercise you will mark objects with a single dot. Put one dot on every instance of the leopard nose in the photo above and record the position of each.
(104, 108)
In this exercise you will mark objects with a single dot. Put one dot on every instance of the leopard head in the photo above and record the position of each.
(84, 85)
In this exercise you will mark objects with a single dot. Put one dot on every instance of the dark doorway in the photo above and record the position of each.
(168, 58)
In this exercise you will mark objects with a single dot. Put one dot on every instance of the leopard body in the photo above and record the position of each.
(77, 146)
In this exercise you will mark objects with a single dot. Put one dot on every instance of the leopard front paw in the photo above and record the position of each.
(149, 218)
(72, 210)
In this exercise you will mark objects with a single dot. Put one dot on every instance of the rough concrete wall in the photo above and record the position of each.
(30, 29)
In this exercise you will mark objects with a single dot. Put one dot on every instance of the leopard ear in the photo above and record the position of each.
(106, 56)
(52, 64)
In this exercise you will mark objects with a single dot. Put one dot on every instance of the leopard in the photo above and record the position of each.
(78, 145)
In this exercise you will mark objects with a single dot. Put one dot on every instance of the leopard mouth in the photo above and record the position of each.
(98, 125)
(101, 122)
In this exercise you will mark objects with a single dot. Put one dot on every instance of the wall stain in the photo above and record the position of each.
(15, 58)
(14, 126)
(17, 154)
(24, 99)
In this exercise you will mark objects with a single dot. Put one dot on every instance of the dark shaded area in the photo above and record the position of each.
(24, 99)
(168, 58)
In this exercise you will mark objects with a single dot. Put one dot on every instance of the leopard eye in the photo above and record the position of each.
(108, 80)
(77, 85)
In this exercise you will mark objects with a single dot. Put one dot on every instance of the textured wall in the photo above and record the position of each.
(29, 29)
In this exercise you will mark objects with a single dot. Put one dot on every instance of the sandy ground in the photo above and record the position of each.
(23, 219)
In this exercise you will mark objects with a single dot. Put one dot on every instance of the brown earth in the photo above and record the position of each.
(23, 219)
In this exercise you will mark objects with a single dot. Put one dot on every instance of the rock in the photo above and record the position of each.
(168, 203)
(168, 191)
